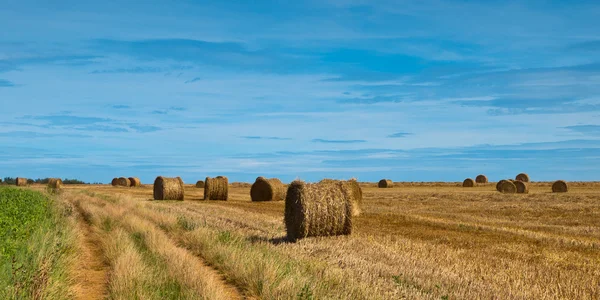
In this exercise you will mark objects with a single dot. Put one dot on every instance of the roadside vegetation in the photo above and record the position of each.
(36, 246)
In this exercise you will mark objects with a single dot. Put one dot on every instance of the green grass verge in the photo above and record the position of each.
(36, 246)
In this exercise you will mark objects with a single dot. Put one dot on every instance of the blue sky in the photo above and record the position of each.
(412, 91)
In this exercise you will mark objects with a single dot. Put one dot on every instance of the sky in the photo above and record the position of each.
(406, 90)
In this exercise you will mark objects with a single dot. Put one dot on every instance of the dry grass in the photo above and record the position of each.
(268, 190)
(414, 241)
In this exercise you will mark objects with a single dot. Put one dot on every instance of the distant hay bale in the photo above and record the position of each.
(200, 184)
(499, 184)
(122, 181)
(560, 186)
(353, 185)
(166, 188)
(216, 188)
(20, 181)
(267, 190)
(522, 187)
(468, 182)
(522, 177)
(481, 179)
(115, 181)
(134, 182)
(322, 209)
(508, 187)
(55, 183)
(385, 183)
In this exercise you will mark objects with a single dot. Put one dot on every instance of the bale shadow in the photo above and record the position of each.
(275, 241)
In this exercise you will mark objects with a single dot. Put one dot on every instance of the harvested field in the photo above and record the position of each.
(410, 241)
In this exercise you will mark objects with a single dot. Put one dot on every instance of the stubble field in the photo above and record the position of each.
(415, 241)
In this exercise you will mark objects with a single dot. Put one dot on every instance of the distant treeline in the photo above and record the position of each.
(11, 180)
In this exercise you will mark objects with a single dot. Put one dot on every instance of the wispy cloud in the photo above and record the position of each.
(266, 138)
(66, 120)
(36, 135)
(6, 83)
(136, 70)
(193, 80)
(399, 135)
(159, 112)
(585, 129)
(120, 106)
(101, 128)
(144, 128)
(338, 141)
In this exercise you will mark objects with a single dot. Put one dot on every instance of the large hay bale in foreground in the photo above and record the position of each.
(560, 186)
(499, 184)
(353, 185)
(134, 182)
(481, 179)
(115, 181)
(20, 181)
(385, 183)
(55, 183)
(267, 190)
(321, 209)
(166, 188)
(468, 182)
(216, 188)
(508, 187)
(122, 181)
(200, 184)
(522, 177)
(522, 187)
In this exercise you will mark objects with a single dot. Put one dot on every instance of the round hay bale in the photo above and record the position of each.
(200, 184)
(320, 209)
(469, 182)
(522, 187)
(499, 184)
(20, 181)
(122, 181)
(560, 186)
(508, 187)
(522, 177)
(267, 190)
(353, 185)
(385, 183)
(481, 179)
(135, 182)
(55, 183)
(166, 188)
(216, 188)
(115, 181)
